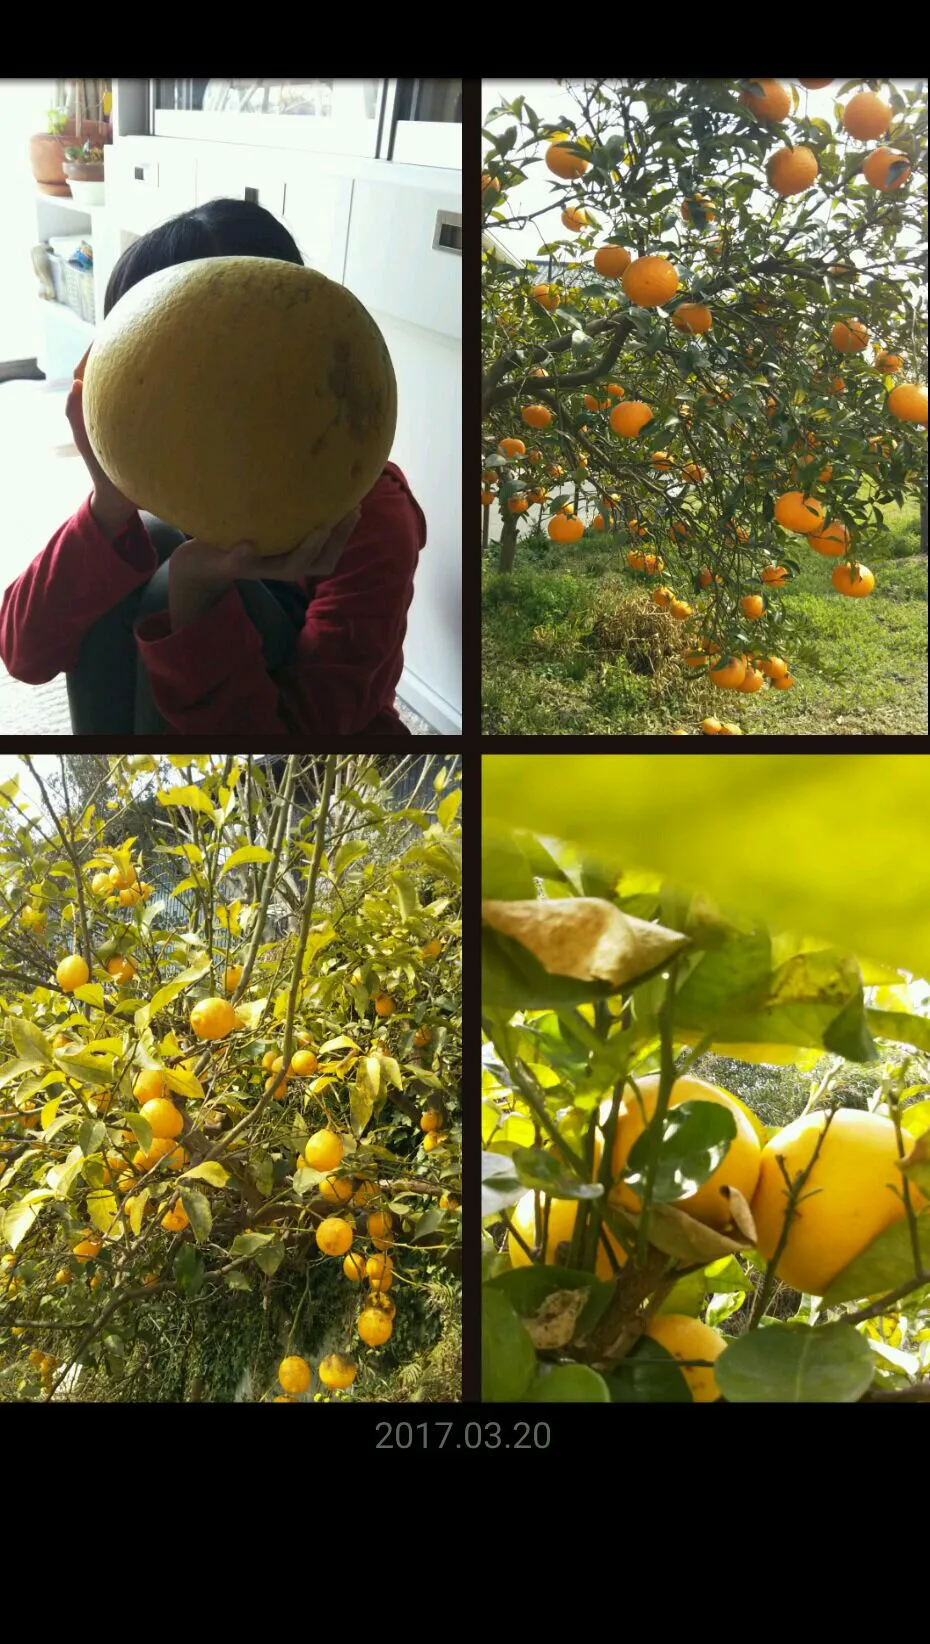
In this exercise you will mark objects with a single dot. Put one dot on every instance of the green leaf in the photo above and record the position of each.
(270, 1257)
(237, 1281)
(170, 991)
(199, 1213)
(18, 1219)
(494, 1197)
(568, 1384)
(189, 1269)
(91, 1070)
(648, 1375)
(193, 799)
(137, 1210)
(246, 1244)
(211, 1172)
(407, 898)
(545, 1172)
(102, 1209)
(91, 1136)
(29, 1042)
(884, 1264)
(447, 809)
(350, 851)
(527, 1288)
(245, 853)
(508, 1357)
(796, 1364)
(696, 1137)
(361, 1101)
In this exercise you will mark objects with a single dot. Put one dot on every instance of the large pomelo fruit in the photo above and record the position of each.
(241, 399)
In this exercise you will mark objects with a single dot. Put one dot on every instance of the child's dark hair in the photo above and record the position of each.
(219, 228)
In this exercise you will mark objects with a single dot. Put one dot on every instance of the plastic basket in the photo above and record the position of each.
(79, 290)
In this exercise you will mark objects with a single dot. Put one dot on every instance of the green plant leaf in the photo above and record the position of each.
(212, 1171)
(496, 1197)
(245, 853)
(568, 1384)
(29, 1042)
(884, 1264)
(199, 1213)
(508, 1357)
(648, 1375)
(796, 1364)
(545, 1172)
(695, 1140)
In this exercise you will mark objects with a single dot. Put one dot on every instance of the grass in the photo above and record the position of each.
(573, 646)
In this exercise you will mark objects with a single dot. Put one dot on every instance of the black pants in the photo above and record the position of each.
(109, 690)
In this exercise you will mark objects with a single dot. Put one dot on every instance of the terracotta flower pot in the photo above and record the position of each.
(83, 171)
(46, 156)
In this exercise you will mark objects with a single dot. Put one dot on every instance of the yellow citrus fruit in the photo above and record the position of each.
(507, 448)
(380, 1271)
(149, 1085)
(752, 606)
(536, 416)
(175, 1220)
(294, 1374)
(232, 977)
(627, 419)
(432, 1119)
(698, 211)
(123, 878)
(889, 363)
(792, 170)
(269, 1059)
(63, 1276)
(855, 580)
(354, 1266)
(650, 282)
(687, 1338)
(908, 402)
(365, 1192)
(768, 99)
(283, 1398)
(739, 1167)
(574, 220)
(336, 1189)
(163, 1117)
(86, 1250)
(815, 85)
(303, 1063)
(854, 1191)
(337, 1371)
(374, 1327)
(121, 969)
(661, 460)
(849, 336)
(832, 541)
(384, 1005)
(421, 1038)
(100, 884)
(773, 667)
(380, 1223)
(449, 1201)
(695, 318)
(432, 950)
(563, 163)
(435, 1138)
(213, 1018)
(775, 576)
(547, 296)
(729, 675)
(334, 1236)
(163, 1148)
(611, 261)
(559, 1230)
(323, 1150)
(866, 116)
(799, 513)
(72, 973)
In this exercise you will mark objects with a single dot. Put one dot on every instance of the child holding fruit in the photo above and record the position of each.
(157, 632)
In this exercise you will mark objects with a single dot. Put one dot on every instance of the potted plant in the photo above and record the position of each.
(81, 114)
(83, 168)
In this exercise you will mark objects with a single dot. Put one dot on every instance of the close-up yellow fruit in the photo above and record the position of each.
(86, 1250)
(687, 1338)
(857, 581)
(612, 261)
(334, 1236)
(849, 336)
(384, 1004)
(336, 1189)
(323, 1150)
(337, 1371)
(374, 1326)
(832, 541)
(432, 1119)
(694, 318)
(627, 419)
(792, 170)
(354, 1266)
(434, 1139)
(768, 99)
(559, 1230)
(175, 1220)
(739, 1167)
(798, 513)
(650, 282)
(121, 969)
(213, 1019)
(231, 978)
(149, 1085)
(854, 1191)
(163, 1150)
(303, 1063)
(866, 116)
(163, 1117)
(563, 163)
(294, 1374)
(908, 402)
(72, 973)
(380, 1272)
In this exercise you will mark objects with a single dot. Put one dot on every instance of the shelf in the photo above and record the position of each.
(66, 316)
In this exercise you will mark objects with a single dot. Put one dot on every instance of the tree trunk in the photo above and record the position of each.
(508, 543)
(923, 526)
(486, 529)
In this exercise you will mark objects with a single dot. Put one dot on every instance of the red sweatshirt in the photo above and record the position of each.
(210, 676)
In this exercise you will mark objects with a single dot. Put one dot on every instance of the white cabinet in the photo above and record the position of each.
(240, 174)
(397, 260)
(149, 179)
(317, 204)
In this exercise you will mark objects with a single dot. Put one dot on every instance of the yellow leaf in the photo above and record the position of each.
(584, 937)
(193, 799)
(183, 1082)
(246, 853)
(101, 1209)
(211, 1172)
(342, 1043)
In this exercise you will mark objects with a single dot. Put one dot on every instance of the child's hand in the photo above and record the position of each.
(200, 573)
(109, 507)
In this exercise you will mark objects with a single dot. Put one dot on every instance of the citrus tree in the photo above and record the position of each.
(647, 1237)
(229, 1098)
(730, 339)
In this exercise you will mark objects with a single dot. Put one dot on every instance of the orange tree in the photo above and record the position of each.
(729, 339)
(636, 1215)
(230, 1084)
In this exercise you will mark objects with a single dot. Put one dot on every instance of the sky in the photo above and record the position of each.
(550, 101)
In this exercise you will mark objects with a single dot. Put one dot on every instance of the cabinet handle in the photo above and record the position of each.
(251, 194)
(447, 234)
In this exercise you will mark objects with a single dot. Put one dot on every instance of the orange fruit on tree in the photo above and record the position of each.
(336, 1189)
(303, 1063)
(630, 417)
(698, 211)
(558, 1224)
(334, 1236)
(888, 363)
(536, 416)
(487, 497)
(852, 1193)
(546, 296)
(661, 460)
(695, 318)
(100, 884)
(695, 474)
(574, 219)
(815, 85)
(432, 950)
(164, 1119)
(775, 575)
(612, 261)
(374, 1326)
(680, 609)
(380, 1272)
(592, 404)
(792, 170)
(323, 1150)
(614, 391)
(421, 1038)
(231, 978)
(86, 1250)
(380, 1223)
(489, 182)
(866, 116)
(294, 1374)
(739, 1167)
(711, 727)
(649, 282)
(72, 973)
(123, 878)
(838, 386)
(768, 99)
(751, 681)
(908, 402)
(213, 1018)
(832, 541)
(635, 560)
(799, 513)
(663, 596)
(517, 505)
(175, 1220)
(855, 580)
(687, 1338)
(163, 1150)
(849, 336)
(773, 667)
(752, 606)
(511, 448)
(337, 1371)
(365, 1192)
(729, 675)
(384, 1005)
(782, 682)
(652, 564)
(354, 1266)
(563, 163)
(562, 529)
(121, 969)
(886, 169)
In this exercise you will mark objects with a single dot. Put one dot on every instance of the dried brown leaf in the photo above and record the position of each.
(554, 1324)
(687, 1240)
(585, 937)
